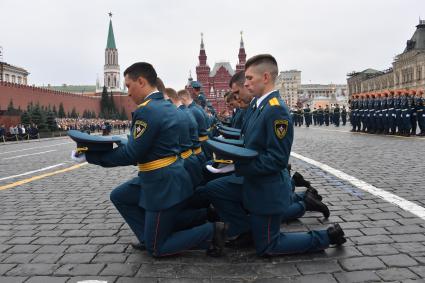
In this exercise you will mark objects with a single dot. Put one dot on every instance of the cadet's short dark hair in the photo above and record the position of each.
(171, 93)
(142, 69)
(238, 78)
(269, 62)
(183, 92)
(230, 96)
(160, 85)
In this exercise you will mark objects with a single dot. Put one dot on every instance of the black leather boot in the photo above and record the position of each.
(299, 180)
(218, 241)
(336, 235)
(138, 246)
(313, 204)
(312, 191)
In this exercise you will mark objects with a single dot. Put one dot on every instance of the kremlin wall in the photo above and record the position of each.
(22, 95)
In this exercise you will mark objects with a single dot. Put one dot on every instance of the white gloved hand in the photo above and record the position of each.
(224, 169)
(78, 157)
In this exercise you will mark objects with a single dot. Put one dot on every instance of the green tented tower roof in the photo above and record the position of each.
(111, 39)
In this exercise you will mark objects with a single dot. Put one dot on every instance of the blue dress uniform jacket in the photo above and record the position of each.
(153, 136)
(237, 118)
(185, 140)
(421, 115)
(267, 186)
(202, 101)
(188, 141)
(251, 108)
(193, 127)
(200, 119)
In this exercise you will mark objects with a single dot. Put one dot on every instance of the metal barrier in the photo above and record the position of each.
(18, 137)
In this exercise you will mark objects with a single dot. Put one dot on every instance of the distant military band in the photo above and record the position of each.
(319, 116)
(399, 112)
(205, 183)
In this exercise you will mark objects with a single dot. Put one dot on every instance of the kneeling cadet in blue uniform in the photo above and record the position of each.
(266, 191)
(151, 202)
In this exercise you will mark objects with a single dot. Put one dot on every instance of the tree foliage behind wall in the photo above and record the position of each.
(108, 110)
(43, 117)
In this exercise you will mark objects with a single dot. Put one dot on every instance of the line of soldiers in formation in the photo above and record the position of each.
(198, 190)
(319, 116)
(397, 112)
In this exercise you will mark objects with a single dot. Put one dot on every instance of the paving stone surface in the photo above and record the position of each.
(63, 228)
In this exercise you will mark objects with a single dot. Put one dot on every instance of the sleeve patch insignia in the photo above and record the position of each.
(280, 128)
(139, 128)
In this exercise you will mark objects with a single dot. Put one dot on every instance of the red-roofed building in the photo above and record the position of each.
(215, 82)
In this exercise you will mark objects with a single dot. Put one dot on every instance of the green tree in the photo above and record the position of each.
(55, 112)
(11, 110)
(50, 121)
(112, 107)
(104, 103)
(74, 113)
(30, 107)
(38, 118)
(61, 112)
(123, 115)
(25, 118)
(35, 114)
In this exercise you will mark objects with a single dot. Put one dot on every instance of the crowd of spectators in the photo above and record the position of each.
(92, 125)
(18, 132)
(24, 132)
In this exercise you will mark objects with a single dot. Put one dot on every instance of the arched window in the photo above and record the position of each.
(109, 81)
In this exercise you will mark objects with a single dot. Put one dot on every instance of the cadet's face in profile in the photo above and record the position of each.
(234, 103)
(254, 81)
(241, 92)
(134, 89)
(195, 93)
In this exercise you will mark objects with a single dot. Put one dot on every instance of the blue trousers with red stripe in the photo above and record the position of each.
(164, 232)
(270, 241)
(227, 199)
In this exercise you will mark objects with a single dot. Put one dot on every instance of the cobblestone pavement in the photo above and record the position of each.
(63, 228)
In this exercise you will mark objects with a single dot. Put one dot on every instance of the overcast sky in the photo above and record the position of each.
(64, 41)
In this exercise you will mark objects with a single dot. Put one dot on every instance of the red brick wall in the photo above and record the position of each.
(126, 102)
(22, 95)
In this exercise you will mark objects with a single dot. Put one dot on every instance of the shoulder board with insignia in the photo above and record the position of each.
(274, 102)
(144, 103)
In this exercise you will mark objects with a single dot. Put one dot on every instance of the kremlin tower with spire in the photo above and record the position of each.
(111, 69)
